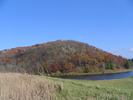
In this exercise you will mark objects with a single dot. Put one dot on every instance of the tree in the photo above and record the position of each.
(95, 61)
(100, 59)
(86, 68)
(44, 66)
(112, 66)
(107, 66)
(54, 68)
(128, 64)
(131, 63)
(132, 59)
(118, 66)
(70, 67)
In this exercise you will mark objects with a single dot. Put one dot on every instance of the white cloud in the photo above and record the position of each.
(116, 50)
(80, 37)
(131, 49)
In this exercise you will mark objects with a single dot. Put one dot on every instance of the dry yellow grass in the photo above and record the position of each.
(26, 87)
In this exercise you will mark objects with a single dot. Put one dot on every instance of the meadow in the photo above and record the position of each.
(15, 86)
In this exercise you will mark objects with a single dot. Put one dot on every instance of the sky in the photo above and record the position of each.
(105, 24)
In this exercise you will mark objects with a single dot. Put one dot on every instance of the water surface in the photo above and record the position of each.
(101, 77)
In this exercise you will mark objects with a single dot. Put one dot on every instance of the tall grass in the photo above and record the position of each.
(26, 87)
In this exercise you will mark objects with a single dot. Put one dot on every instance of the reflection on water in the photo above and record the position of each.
(101, 77)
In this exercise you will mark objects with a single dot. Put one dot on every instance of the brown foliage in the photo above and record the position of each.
(63, 56)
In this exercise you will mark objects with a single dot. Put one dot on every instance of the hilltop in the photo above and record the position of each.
(59, 57)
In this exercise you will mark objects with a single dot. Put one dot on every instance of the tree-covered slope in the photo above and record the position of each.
(58, 56)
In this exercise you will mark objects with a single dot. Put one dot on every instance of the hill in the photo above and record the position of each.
(58, 57)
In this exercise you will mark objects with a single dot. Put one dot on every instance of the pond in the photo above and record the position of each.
(101, 77)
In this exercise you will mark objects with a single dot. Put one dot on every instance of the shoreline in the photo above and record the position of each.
(93, 73)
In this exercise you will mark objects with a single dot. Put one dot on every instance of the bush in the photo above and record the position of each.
(92, 70)
(112, 66)
(96, 69)
(77, 71)
(81, 71)
(86, 69)
(52, 74)
(118, 66)
(58, 73)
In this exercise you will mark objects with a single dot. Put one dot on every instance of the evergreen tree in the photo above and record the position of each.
(132, 60)
(112, 66)
(131, 63)
(128, 64)
(107, 64)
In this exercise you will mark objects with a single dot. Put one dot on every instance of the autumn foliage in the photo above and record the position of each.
(64, 56)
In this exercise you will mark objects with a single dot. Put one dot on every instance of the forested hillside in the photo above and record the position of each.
(59, 56)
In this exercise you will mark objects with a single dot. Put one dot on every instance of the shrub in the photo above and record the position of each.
(86, 69)
(82, 71)
(77, 71)
(92, 70)
(96, 69)
(52, 74)
(58, 73)
(118, 66)
(112, 66)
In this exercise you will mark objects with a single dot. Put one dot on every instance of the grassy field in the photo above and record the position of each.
(32, 87)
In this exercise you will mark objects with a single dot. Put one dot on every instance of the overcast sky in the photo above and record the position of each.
(105, 24)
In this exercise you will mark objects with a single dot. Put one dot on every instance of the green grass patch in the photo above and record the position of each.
(117, 89)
